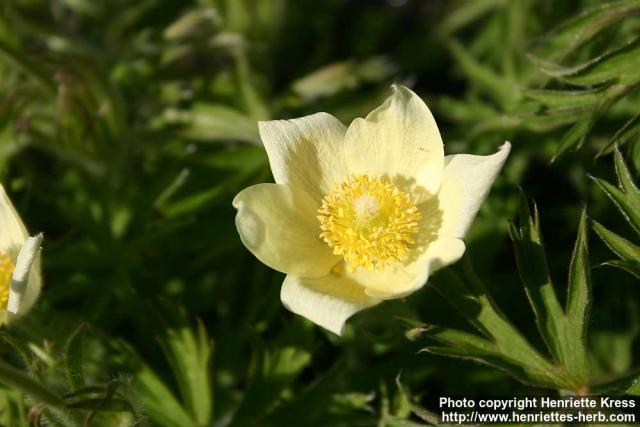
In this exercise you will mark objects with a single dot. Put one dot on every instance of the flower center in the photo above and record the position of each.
(6, 271)
(369, 221)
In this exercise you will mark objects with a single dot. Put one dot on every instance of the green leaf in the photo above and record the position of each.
(20, 380)
(629, 206)
(464, 110)
(631, 267)
(534, 272)
(189, 354)
(237, 14)
(21, 349)
(418, 410)
(462, 341)
(612, 351)
(271, 374)
(13, 412)
(578, 304)
(558, 100)
(213, 122)
(73, 357)
(316, 405)
(466, 346)
(252, 99)
(159, 402)
(14, 58)
(626, 133)
(188, 24)
(579, 30)
(618, 244)
(341, 76)
(471, 12)
(494, 85)
(503, 345)
(621, 65)
(486, 316)
(577, 134)
(625, 180)
(238, 165)
(563, 332)
(193, 202)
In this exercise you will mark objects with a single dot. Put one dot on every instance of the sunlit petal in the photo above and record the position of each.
(13, 233)
(278, 224)
(466, 182)
(306, 152)
(327, 301)
(399, 139)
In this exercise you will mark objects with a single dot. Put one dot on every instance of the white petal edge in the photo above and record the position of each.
(327, 301)
(13, 233)
(306, 152)
(466, 182)
(279, 225)
(404, 280)
(399, 139)
(26, 280)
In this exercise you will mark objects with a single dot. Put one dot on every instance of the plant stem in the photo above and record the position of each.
(12, 376)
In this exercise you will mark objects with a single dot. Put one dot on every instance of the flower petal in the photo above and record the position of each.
(327, 301)
(27, 281)
(466, 182)
(330, 300)
(13, 233)
(399, 139)
(278, 224)
(306, 152)
(401, 280)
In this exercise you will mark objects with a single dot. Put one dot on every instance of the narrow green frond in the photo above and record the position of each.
(618, 244)
(579, 304)
(625, 180)
(629, 207)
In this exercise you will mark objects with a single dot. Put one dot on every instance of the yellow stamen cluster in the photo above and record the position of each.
(369, 221)
(6, 271)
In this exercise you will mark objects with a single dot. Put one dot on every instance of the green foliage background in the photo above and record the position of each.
(126, 128)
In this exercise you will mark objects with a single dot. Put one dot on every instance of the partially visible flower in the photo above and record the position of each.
(362, 214)
(20, 279)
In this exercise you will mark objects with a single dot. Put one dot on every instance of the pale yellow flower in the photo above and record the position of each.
(362, 214)
(20, 279)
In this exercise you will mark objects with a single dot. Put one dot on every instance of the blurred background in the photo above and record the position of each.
(127, 127)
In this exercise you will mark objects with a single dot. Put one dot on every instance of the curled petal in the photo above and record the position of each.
(327, 301)
(399, 139)
(306, 152)
(278, 224)
(26, 281)
(466, 182)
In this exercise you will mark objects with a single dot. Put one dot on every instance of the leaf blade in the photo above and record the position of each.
(532, 266)
(618, 244)
(190, 354)
(627, 206)
(73, 357)
(579, 303)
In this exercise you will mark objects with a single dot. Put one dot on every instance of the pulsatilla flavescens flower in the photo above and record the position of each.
(20, 279)
(361, 214)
